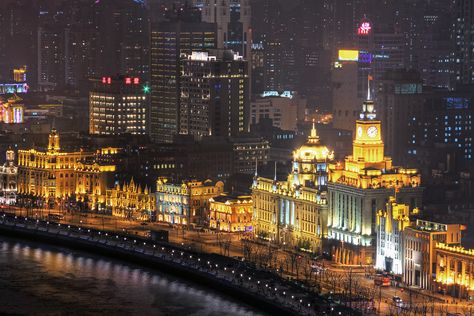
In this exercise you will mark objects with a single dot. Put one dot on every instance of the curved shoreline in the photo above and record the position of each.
(142, 259)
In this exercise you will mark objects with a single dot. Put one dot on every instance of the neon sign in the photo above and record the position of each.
(364, 28)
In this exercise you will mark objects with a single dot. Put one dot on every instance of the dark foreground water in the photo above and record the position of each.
(44, 280)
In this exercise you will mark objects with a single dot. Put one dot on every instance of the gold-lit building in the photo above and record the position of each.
(131, 201)
(294, 212)
(360, 187)
(12, 111)
(419, 250)
(231, 213)
(187, 202)
(8, 179)
(455, 270)
(55, 175)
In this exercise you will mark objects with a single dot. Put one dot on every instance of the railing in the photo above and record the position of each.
(230, 272)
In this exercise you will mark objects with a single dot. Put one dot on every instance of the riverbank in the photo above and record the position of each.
(226, 275)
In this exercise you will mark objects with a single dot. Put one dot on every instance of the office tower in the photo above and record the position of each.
(214, 94)
(117, 105)
(169, 40)
(464, 42)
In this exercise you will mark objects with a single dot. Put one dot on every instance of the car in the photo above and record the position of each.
(397, 300)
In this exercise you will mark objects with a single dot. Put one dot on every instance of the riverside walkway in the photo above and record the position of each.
(264, 289)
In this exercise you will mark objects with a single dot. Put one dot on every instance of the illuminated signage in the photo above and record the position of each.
(272, 93)
(365, 57)
(348, 55)
(364, 28)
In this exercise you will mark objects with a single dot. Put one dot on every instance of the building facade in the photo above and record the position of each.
(131, 201)
(117, 105)
(360, 187)
(8, 179)
(231, 213)
(390, 225)
(214, 94)
(54, 175)
(419, 244)
(169, 40)
(294, 212)
(185, 203)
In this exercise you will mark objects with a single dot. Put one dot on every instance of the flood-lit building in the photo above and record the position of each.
(360, 187)
(185, 203)
(12, 111)
(419, 243)
(390, 225)
(294, 212)
(231, 213)
(8, 179)
(55, 175)
(131, 201)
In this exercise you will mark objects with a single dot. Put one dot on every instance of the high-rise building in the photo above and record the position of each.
(214, 94)
(169, 40)
(117, 105)
(464, 42)
(361, 187)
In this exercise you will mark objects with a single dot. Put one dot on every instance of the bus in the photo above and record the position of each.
(381, 280)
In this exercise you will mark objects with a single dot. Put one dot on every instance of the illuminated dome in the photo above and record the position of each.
(313, 150)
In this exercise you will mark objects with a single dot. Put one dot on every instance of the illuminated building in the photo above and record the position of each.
(185, 203)
(131, 201)
(247, 150)
(455, 270)
(117, 105)
(8, 88)
(419, 244)
(294, 212)
(12, 112)
(231, 213)
(463, 61)
(285, 110)
(360, 187)
(55, 175)
(169, 40)
(390, 225)
(8, 179)
(19, 74)
(214, 94)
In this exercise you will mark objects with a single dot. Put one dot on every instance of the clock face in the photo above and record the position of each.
(372, 131)
(359, 131)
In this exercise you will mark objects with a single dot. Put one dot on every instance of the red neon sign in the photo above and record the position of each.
(136, 80)
(128, 80)
(364, 28)
(104, 80)
(109, 80)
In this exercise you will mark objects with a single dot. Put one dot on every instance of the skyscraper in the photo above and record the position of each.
(464, 42)
(214, 94)
(169, 40)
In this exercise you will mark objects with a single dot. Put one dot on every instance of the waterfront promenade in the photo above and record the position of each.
(234, 277)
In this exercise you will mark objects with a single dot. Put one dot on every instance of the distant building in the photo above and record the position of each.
(12, 111)
(214, 94)
(169, 40)
(8, 179)
(185, 203)
(247, 150)
(131, 201)
(419, 250)
(464, 45)
(231, 213)
(285, 110)
(117, 105)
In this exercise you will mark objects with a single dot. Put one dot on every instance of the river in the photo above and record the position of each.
(37, 279)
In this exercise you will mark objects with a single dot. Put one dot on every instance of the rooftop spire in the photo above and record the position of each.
(275, 176)
(313, 137)
(369, 96)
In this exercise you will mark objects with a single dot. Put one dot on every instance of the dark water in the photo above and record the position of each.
(45, 280)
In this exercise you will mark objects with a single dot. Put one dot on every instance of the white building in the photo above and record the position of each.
(390, 225)
(8, 179)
